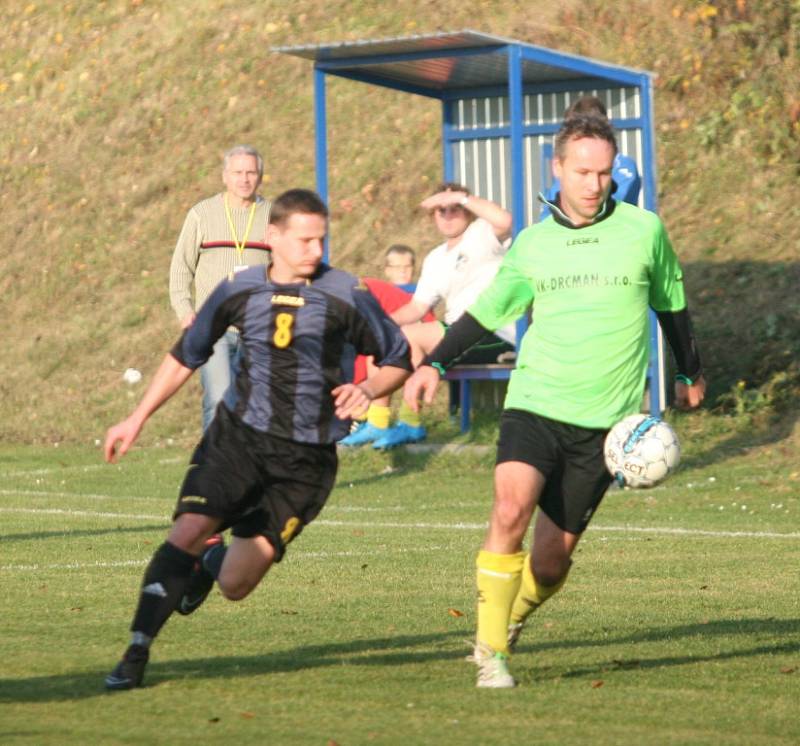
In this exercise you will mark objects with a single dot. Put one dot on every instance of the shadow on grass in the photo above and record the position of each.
(417, 458)
(387, 651)
(788, 630)
(410, 649)
(401, 463)
(771, 429)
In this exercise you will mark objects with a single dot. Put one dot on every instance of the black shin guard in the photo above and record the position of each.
(163, 585)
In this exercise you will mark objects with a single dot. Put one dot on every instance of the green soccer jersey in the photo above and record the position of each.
(584, 358)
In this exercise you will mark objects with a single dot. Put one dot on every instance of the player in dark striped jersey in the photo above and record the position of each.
(267, 463)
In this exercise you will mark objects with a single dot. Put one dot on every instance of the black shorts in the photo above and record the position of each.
(569, 457)
(490, 349)
(255, 483)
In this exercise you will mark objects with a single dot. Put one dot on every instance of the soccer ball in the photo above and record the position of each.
(641, 451)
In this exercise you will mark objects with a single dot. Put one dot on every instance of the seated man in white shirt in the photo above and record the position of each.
(476, 233)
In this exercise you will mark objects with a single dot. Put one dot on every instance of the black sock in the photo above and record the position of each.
(162, 588)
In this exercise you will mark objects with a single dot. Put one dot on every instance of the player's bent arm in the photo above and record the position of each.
(169, 377)
(352, 400)
(464, 333)
(410, 313)
(385, 381)
(690, 385)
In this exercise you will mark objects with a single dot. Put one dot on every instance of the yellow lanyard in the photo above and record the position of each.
(239, 246)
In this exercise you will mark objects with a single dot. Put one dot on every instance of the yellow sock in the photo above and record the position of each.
(408, 415)
(532, 594)
(498, 582)
(379, 416)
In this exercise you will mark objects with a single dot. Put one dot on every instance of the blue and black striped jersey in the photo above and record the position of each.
(298, 342)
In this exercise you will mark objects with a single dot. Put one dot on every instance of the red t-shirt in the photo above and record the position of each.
(390, 297)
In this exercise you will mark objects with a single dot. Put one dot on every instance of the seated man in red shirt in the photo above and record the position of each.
(376, 426)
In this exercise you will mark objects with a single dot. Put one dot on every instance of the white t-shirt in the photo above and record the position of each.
(458, 275)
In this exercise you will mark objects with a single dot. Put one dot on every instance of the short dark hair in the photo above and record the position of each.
(583, 125)
(587, 105)
(451, 186)
(293, 201)
(403, 249)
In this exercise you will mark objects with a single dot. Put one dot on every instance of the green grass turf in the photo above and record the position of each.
(679, 624)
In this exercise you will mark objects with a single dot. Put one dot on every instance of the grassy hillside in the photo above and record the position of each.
(115, 115)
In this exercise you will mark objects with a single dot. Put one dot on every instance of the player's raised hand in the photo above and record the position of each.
(690, 397)
(422, 385)
(350, 400)
(123, 433)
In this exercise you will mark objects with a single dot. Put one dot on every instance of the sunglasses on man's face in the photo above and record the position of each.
(449, 211)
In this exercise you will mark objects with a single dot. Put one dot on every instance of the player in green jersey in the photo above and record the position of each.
(591, 271)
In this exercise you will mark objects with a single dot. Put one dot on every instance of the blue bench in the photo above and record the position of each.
(465, 374)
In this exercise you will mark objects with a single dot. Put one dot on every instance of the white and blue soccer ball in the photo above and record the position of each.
(641, 451)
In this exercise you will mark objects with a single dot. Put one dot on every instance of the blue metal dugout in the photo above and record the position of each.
(502, 103)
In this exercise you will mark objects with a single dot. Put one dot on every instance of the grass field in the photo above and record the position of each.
(680, 623)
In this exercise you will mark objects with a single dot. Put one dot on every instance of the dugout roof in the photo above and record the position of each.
(437, 63)
(503, 101)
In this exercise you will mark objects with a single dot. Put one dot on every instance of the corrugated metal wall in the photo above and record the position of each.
(483, 164)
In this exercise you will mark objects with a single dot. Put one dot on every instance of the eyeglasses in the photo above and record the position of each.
(449, 211)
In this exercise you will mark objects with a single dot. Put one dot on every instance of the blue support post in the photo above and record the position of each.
(655, 371)
(466, 404)
(516, 117)
(515, 120)
(321, 142)
(447, 153)
(545, 166)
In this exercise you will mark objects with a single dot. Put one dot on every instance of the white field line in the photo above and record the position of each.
(295, 554)
(87, 495)
(338, 508)
(78, 467)
(445, 526)
(86, 513)
(329, 509)
(593, 528)
(699, 532)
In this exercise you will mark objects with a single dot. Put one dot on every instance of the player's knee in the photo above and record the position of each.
(190, 531)
(549, 570)
(235, 590)
(510, 514)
